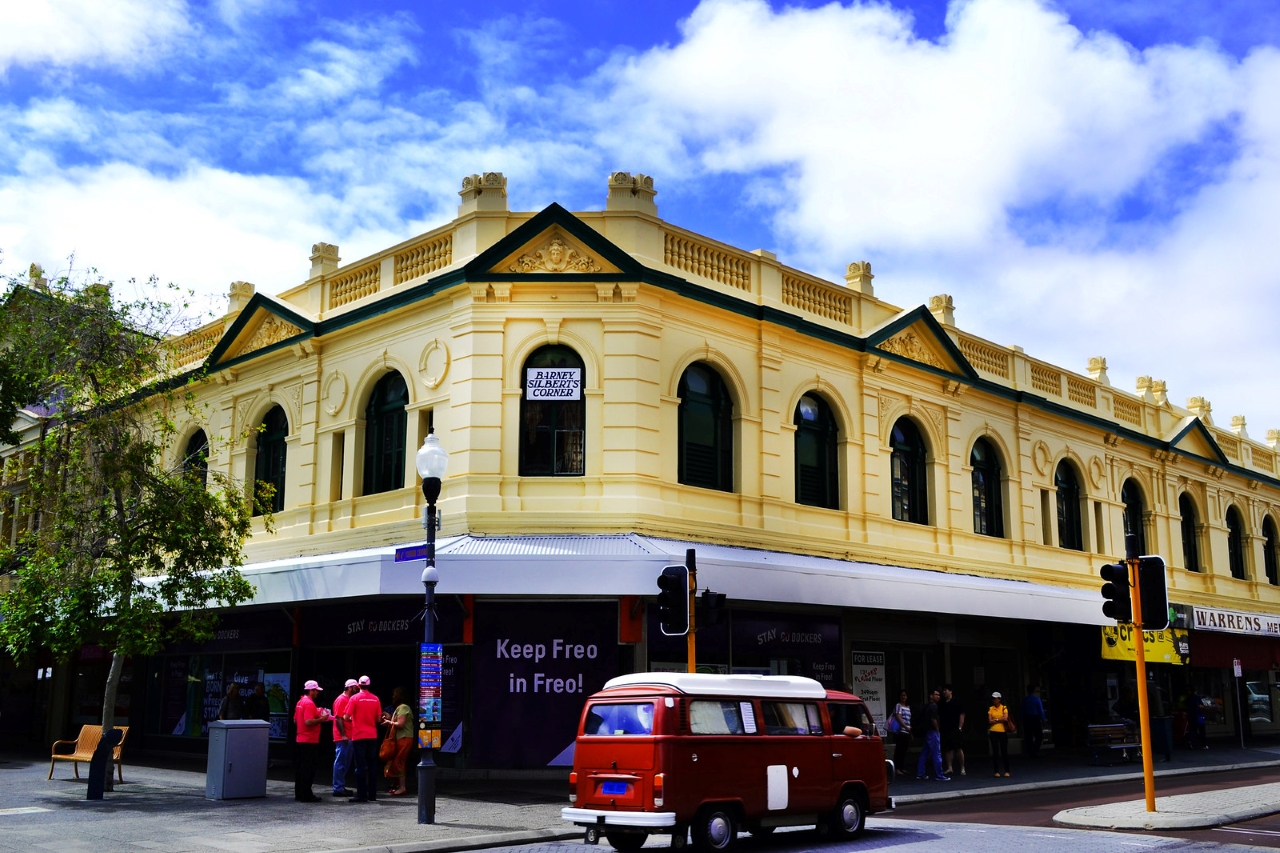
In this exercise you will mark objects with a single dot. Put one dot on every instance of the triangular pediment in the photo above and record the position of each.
(553, 244)
(1194, 438)
(554, 251)
(263, 325)
(917, 337)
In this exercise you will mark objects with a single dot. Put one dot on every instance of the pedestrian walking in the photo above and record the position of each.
(951, 718)
(256, 706)
(900, 728)
(365, 711)
(308, 719)
(400, 731)
(342, 749)
(1032, 722)
(931, 754)
(998, 727)
(231, 707)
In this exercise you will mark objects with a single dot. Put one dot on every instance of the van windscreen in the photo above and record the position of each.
(631, 719)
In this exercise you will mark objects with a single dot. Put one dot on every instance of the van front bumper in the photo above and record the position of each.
(637, 820)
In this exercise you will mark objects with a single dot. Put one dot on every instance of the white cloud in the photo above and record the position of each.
(202, 228)
(126, 34)
(988, 164)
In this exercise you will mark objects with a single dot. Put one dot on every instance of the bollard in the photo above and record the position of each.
(98, 764)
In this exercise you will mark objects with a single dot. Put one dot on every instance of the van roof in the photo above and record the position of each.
(770, 686)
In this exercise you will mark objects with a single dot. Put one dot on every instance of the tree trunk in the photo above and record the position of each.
(109, 710)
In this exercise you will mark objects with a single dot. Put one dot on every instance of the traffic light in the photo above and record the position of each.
(712, 608)
(673, 601)
(1154, 594)
(1118, 604)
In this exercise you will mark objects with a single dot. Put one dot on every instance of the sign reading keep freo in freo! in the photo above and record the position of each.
(533, 666)
(553, 383)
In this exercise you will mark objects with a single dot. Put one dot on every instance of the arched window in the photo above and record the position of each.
(988, 513)
(1235, 543)
(1134, 511)
(271, 456)
(1070, 531)
(1269, 551)
(384, 435)
(195, 462)
(817, 476)
(553, 414)
(706, 429)
(1190, 533)
(907, 468)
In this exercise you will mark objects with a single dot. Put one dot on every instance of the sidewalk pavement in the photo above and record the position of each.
(165, 810)
(162, 808)
(1183, 811)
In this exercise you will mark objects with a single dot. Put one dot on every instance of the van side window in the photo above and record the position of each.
(791, 718)
(844, 714)
(707, 717)
(630, 719)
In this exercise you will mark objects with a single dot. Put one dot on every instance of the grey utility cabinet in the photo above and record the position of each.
(237, 759)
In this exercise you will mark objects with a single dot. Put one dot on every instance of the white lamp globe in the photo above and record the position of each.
(432, 461)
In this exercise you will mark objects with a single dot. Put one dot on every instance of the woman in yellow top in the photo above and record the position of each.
(998, 727)
(401, 730)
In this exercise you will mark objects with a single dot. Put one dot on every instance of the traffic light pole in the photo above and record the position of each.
(1140, 656)
(690, 561)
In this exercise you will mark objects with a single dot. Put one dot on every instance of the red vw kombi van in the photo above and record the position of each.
(666, 753)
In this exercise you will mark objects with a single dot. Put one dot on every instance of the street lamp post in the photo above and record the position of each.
(431, 462)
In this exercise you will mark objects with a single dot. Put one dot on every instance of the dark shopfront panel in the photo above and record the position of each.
(759, 642)
(186, 683)
(533, 664)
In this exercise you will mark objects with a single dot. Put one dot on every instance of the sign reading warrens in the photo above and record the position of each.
(1168, 646)
(553, 383)
(1235, 622)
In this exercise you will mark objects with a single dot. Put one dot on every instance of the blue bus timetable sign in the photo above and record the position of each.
(430, 692)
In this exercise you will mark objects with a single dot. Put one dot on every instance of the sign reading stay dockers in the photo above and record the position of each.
(534, 665)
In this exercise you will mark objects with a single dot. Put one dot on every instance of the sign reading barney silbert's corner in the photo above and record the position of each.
(553, 383)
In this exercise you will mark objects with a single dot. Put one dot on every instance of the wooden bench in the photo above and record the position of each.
(83, 747)
(1108, 737)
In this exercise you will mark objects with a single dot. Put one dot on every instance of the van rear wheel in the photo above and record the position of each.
(626, 841)
(849, 818)
(715, 829)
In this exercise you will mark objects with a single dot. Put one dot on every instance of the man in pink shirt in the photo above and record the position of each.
(342, 739)
(365, 712)
(308, 719)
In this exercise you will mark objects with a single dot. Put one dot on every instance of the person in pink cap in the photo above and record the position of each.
(342, 739)
(308, 719)
(365, 711)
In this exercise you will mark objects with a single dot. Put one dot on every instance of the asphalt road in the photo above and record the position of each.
(911, 836)
(1037, 808)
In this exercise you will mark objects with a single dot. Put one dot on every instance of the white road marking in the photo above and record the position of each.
(1247, 831)
(23, 810)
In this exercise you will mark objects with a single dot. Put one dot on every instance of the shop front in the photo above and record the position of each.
(1222, 643)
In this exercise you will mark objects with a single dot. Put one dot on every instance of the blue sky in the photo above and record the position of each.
(1085, 177)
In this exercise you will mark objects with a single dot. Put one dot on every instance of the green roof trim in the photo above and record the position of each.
(476, 270)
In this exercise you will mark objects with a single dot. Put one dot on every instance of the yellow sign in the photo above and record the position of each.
(428, 738)
(1168, 646)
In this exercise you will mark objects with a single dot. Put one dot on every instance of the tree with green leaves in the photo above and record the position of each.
(131, 544)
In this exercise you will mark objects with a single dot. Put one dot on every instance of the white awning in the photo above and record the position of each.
(628, 564)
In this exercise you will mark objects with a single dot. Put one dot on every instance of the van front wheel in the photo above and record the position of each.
(716, 829)
(849, 818)
(626, 842)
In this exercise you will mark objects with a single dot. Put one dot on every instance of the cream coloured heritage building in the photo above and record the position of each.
(885, 498)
